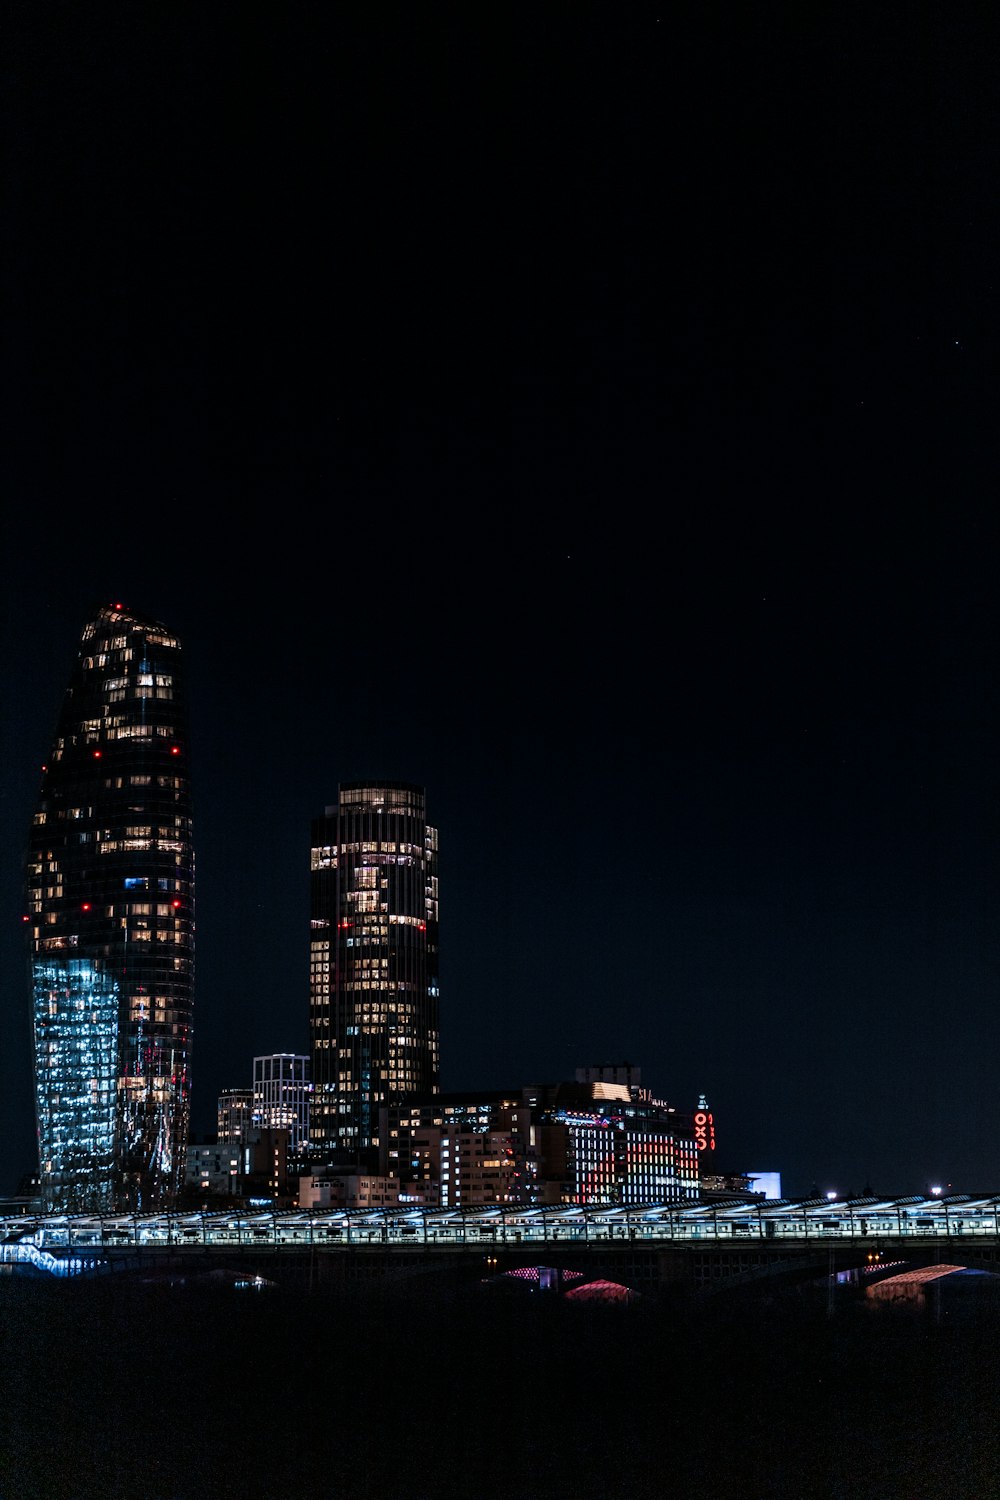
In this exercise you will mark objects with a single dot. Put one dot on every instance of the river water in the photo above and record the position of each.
(121, 1391)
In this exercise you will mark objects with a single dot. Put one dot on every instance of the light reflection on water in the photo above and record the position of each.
(181, 1393)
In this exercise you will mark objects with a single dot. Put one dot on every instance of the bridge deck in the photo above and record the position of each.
(75, 1241)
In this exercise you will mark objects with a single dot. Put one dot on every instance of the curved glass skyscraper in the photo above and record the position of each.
(373, 961)
(110, 888)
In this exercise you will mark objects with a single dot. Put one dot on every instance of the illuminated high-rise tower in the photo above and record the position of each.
(373, 961)
(110, 890)
(281, 1096)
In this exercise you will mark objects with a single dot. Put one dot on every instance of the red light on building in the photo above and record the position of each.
(85, 906)
(175, 904)
(97, 754)
(704, 1131)
(175, 750)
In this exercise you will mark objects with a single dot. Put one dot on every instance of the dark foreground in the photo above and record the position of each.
(151, 1392)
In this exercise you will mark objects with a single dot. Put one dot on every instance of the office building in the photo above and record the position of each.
(214, 1169)
(281, 1095)
(234, 1116)
(110, 917)
(585, 1143)
(255, 1172)
(463, 1150)
(615, 1144)
(348, 1190)
(373, 962)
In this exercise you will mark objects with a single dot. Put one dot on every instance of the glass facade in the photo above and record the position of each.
(281, 1096)
(373, 962)
(110, 912)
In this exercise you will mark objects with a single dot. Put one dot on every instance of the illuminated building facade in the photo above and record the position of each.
(604, 1151)
(584, 1143)
(619, 1073)
(462, 1150)
(234, 1116)
(614, 1143)
(110, 895)
(281, 1094)
(373, 961)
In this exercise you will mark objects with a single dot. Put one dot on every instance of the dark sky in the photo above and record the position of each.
(589, 412)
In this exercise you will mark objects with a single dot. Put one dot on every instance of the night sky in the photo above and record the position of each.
(590, 413)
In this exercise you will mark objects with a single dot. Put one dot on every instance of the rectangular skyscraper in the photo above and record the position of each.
(110, 895)
(281, 1096)
(373, 964)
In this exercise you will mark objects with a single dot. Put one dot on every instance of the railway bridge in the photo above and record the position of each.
(700, 1246)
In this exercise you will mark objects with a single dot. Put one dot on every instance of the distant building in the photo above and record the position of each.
(214, 1169)
(623, 1073)
(587, 1143)
(281, 1096)
(348, 1190)
(615, 1144)
(462, 1150)
(254, 1168)
(768, 1183)
(110, 908)
(731, 1185)
(25, 1199)
(373, 962)
(234, 1115)
(267, 1166)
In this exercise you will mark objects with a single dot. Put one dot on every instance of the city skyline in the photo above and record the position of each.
(592, 423)
(532, 1064)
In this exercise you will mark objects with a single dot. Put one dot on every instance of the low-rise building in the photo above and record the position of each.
(587, 1142)
(256, 1168)
(348, 1190)
(213, 1168)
